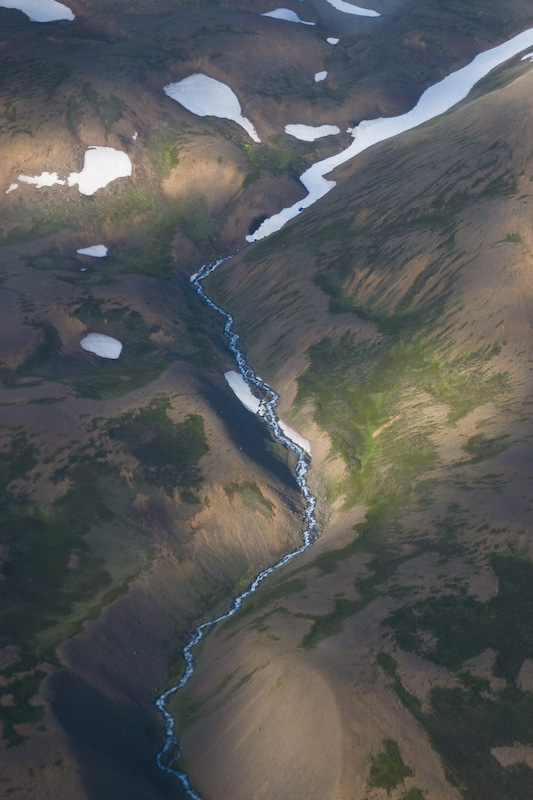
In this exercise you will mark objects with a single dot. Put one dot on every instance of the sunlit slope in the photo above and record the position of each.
(395, 315)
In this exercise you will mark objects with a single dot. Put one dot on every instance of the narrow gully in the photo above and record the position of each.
(171, 749)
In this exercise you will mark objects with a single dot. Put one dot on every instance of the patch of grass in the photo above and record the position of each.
(19, 710)
(109, 109)
(328, 625)
(163, 153)
(464, 627)
(413, 794)
(252, 497)
(266, 595)
(388, 769)
(481, 448)
(356, 388)
(167, 451)
(30, 77)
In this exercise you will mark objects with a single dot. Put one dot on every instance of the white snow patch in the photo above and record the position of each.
(96, 251)
(44, 179)
(241, 389)
(309, 133)
(243, 392)
(135, 136)
(348, 8)
(12, 187)
(40, 10)
(332, 40)
(527, 57)
(287, 15)
(208, 97)
(104, 346)
(436, 100)
(321, 76)
(295, 437)
(101, 165)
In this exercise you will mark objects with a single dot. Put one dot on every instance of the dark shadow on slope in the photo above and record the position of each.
(114, 754)
(249, 433)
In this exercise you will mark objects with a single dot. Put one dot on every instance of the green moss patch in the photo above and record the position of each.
(388, 769)
(167, 451)
(252, 497)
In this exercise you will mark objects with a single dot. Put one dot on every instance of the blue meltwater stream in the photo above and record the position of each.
(171, 749)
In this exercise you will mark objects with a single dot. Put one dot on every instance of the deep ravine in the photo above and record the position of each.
(171, 748)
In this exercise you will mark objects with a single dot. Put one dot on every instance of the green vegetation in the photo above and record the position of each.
(19, 710)
(327, 625)
(466, 722)
(252, 497)
(30, 77)
(413, 794)
(63, 562)
(280, 158)
(464, 627)
(167, 451)
(164, 153)
(388, 769)
(356, 388)
(481, 449)
(109, 109)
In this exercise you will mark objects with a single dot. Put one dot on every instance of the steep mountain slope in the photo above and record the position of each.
(138, 496)
(405, 636)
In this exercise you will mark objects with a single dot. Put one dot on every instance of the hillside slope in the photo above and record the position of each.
(399, 650)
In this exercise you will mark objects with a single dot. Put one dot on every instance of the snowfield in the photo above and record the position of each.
(40, 10)
(102, 345)
(96, 251)
(207, 97)
(310, 133)
(241, 389)
(348, 8)
(101, 165)
(287, 15)
(243, 392)
(44, 179)
(436, 100)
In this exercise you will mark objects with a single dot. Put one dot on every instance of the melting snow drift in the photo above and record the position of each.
(40, 10)
(96, 251)
(321, 76)
(436, 100)
(295, 437)
(310, 133)
(208, 97)
(101, 165)
(287, 15)
(348, 8)
(104, 346)
(332, 40)
(44, 179)
(242, 390)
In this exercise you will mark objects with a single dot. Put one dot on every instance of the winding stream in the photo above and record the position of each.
(268, 412)
(436, 100)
